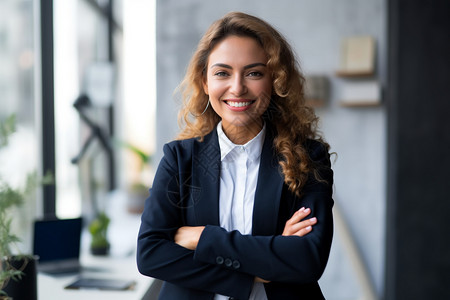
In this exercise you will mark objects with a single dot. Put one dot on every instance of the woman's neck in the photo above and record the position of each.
(240, 135)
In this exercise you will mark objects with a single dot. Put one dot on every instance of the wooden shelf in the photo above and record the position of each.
(352, 74)
(363, 103)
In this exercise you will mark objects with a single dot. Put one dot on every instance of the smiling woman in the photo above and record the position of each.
(234, 225)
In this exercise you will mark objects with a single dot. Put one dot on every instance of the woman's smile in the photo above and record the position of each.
(239, 104)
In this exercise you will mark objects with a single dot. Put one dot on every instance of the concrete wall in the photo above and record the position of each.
(358, 135)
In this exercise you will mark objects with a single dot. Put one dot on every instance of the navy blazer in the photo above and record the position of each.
(185, 192)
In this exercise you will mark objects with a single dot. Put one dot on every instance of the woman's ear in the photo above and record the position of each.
(205, 85)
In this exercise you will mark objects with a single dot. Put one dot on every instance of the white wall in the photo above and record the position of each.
(358, 135)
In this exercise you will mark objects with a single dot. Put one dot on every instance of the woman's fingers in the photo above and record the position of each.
(304, 227)
(298, 215)
(301, 228)
(294, 226)
(258, 279)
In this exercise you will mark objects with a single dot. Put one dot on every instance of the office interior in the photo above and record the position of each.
(91, 84)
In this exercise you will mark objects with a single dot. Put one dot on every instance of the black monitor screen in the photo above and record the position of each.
(57, 239)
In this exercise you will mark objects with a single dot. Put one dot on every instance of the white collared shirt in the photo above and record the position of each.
(238, 178)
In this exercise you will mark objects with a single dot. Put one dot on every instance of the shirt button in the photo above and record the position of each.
(219, 260)
(228, 262)
(236, 264)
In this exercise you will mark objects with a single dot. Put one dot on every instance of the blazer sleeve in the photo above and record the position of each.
(282, 258)
(160, 257)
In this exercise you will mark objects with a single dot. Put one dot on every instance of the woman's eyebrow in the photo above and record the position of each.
(254, 65)
(245, 67)
(221, 65)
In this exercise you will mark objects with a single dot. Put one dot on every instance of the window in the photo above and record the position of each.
(18, 82)
(80, 42)
(81, 39)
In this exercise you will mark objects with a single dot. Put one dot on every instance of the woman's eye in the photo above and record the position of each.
(220, 73)
(255, 74)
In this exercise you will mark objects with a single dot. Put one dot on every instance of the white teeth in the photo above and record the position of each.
(238, 104)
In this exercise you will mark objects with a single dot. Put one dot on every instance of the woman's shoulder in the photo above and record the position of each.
(317, 149)
(187, 145)
(180, 143)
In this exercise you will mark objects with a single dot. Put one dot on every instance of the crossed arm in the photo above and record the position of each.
(164, 248)
(188, 236)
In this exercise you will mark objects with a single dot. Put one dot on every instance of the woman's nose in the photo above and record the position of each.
(238, 87)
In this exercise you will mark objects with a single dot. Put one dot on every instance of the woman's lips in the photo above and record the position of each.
(239, 105)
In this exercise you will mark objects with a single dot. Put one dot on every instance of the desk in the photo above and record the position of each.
(52, 287)
(120, 264)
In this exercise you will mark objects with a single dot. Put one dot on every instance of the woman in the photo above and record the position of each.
(241, 203)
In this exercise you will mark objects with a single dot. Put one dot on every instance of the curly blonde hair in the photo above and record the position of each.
(294, 122)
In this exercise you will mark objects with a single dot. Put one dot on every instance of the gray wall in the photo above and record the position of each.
(358, 135)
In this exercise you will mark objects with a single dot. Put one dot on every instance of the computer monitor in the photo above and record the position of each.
(57, 243)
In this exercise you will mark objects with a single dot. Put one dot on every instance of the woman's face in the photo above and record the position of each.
(238, 83)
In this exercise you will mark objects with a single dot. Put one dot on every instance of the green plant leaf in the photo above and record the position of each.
(144, 157)
(10, 198)
(7, 127)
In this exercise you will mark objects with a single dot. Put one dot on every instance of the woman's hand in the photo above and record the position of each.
(295, 225)
(259, 279)
(188, 236)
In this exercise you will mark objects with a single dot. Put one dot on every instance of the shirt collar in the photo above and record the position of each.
(253, 147)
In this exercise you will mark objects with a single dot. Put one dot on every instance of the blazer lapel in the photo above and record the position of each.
(206, 176)
(268, 190)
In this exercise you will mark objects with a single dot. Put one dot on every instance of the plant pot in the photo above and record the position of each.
(136, 198)
(100, 251)
(24, 288)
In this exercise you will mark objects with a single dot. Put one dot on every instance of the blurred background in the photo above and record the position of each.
(91, 83)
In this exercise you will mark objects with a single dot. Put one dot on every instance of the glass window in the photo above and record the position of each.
(17, 96)
(81, 41)
(81, 56)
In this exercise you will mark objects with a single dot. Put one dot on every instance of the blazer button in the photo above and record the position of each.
(219, 260)
(228, 262)
(236, 264)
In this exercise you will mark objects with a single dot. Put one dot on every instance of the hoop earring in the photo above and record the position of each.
(207, 105)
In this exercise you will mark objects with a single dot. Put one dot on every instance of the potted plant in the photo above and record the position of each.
(17, 271)
(98, 229)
